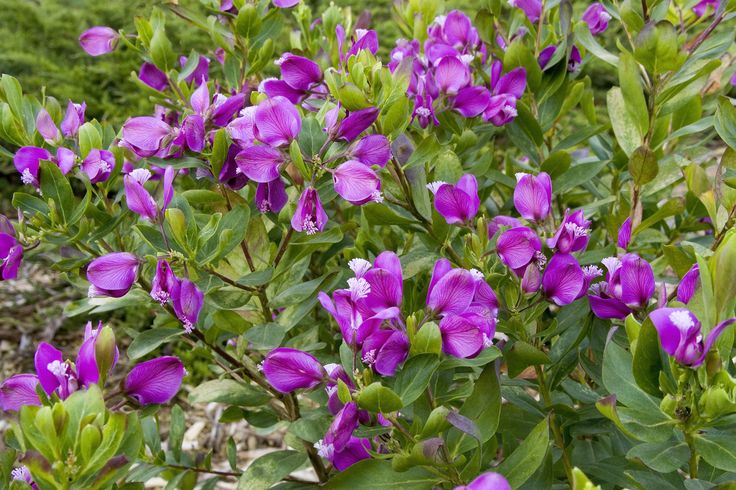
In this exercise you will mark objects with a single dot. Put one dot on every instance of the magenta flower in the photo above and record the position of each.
(505, 91)
(309, 216)
(450, 291)
(681, 337)
(73, 119)
(54, 374)
(46, 127)
(112, 274)
(139, 200)
(688, 284)
(384, 279)
(385, 349)
(629, 285)
(356, 122)
(701, 8)
(271, 196)
(187, 301)
(279, 88)
(153, 77)
(65, 159)
(242, 129)
(498, 221)
(17, 391)
(27, 161)
(260, 163)
(200, 73)
(357, 183)
(277, 122)
(457, 203)
(404, 49)
(531, 279)
(624, 234)
(596, 17)
(298, 72)
(340, 432)
(573, 63)
(517, 247)
(98, 165)
(222, 109)
(424, 111)
(86, 366)
(11, 251)
(466, 335)
(285, 3)
(146, 136)
(563, 279)
(572, 235)
(487, 481)
(373, 149)
(533, 196)
(163, 282)
(98, 40)
(531, 8)
(546, 55)
(355, 450)
(471, 101)
(23, 474)
(363, 39)
(451, 74)
(156, 381)
(291, 369)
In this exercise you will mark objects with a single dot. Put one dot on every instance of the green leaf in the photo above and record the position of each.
(269, 469)
(377, 474)
(643, 165)
(663, 457)
(482, 407)
(583, 36)
(229, 392)
(378, 398)
(647, 361)
(717, 449)
(670, 208)
(657, 48)
(724, 276)
(381, 214)
(519, 55)
(618, 379)
(425, 152)
(56, 187)
(89, 139)
(176, 431)
(248, 22)
(427, 340)
(524, 461)
(414, 377)
(523, 354)
(633, 92)
(625, 128)
(149, 340)
(725, 121)
(162, 53)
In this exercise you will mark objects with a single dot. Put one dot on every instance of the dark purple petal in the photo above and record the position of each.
(498, 221)
(373, 149)
(11, 262)
(365, 39)
(688, 284)
(562, 279)
(27, 161)
(187, 300)
(226, 108)
(679, 334)
(710, 340)
(260, 163)
(299, 72)
(385, 289)
(513, 83)
(309, 216)
(471, 101)
(291, 369)
(153, 77)
(441, 267)
(193, 130)
(18, 391)
(608, 308)
(277, 122)
(355, 450)
(356, 122)
(393, 352)
(271, 197)
(546, 55)
(453, 293)
(637, 281)
(156, 381)
(98, 40)
(596, 17)
(279, 88)
(47, 354)
(624, 234)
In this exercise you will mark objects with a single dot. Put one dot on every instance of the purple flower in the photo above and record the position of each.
(471, 101)
(450, 291)
(17, 391)
(98, 40)
(98, 165)
(688, 284)
(701, 8)
(356, 122)
(285, 3)
(355, 450)
(384, 279)
(505, 91)
(385, 349)
(73, 118)
(563, 279)
(466, 335)
(156, 381)
(487, 481)
(364, 39)
(271, 196)
(572, 235)
(531, 279)
(339, 433)
(309, 216)
(11, 252)
(192, 134)
(153, 77)
(357, 183)
(163, 282)
(404, 49)
(457, 203)
(533, 196)
(624, 234)
(112, 274)
(629, 285)
(86, 364)
(498, 221)
(27, 161)
(291, 369)
(298, 72)
(546, 55)
(138, 198)
(681, 336)
(596, 17)
(200, 73)
(277, 122)
(373, 149)
(424, 111)
(517, 247)
(146, 136)
(46, 127)
(573, 63)
(451, 74)
(260, 163)
(54, 374)
(279, 88)
(65, 159)
(224, 108)
(23, 474)
(531, 8)
(242, 129)
(187, 301)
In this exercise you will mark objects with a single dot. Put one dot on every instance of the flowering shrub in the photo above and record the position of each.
(461, 267)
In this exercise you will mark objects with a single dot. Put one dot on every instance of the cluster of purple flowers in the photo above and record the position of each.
(442, 74)
(152, 382)
(11, 251)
